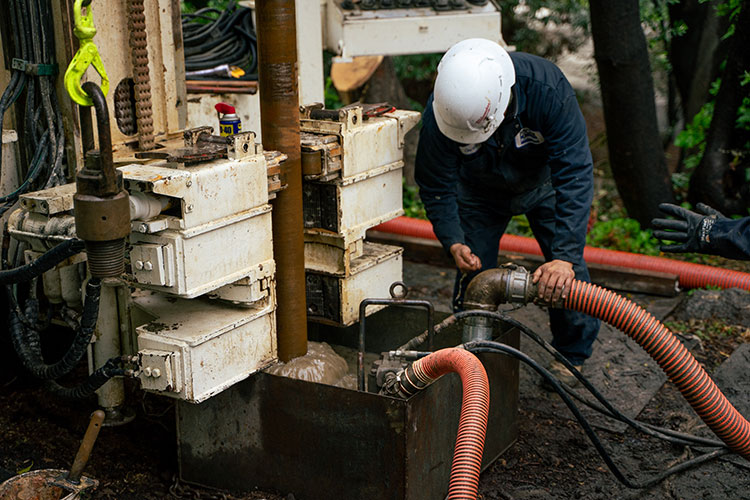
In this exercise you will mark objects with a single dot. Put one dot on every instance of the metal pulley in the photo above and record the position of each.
(102, 210)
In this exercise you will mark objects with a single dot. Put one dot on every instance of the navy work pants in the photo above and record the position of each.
(484, 220)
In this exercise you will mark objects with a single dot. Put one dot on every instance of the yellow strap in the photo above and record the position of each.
(87, 55)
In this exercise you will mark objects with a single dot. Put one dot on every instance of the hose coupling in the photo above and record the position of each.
(506, 284)
(102, 209)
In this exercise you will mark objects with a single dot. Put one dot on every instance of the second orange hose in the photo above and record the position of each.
(472, 425)
(680, 366)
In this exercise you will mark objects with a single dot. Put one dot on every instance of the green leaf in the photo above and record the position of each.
(25, 469)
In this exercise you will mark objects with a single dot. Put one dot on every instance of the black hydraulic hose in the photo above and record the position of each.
(27, 344)
(89, 386)
(606, 408)
(44, 263)
(478, 346)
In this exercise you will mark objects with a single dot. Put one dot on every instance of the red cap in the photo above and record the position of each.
(225, 108)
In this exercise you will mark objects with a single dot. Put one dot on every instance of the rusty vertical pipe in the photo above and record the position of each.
(279, 111)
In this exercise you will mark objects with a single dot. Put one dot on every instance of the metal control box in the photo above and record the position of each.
(337, 215)
(416, 30)
(365, 144)
(213, 209)
(194, 349)
(336, 299)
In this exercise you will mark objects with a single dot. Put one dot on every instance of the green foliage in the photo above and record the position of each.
(519, 225)
(413, 206)
(526, 15)
(693, 136)
(332, 99)
(189, 6)
(416, 66)
(623, 234)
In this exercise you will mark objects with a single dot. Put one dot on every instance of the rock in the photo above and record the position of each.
(731, 306)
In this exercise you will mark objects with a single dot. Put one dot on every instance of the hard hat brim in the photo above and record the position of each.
(461, 135)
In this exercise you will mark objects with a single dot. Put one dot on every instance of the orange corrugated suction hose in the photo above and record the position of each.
(676, 361)
(472, 425)
(690, 275)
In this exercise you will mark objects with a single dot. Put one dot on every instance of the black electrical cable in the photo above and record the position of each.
(44, 263)
(43, 132)
(607, 408)
(27, 343)
(213, 38)
(479, 346)
(89, 386)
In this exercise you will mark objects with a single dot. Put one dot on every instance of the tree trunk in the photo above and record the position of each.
(635, 151)
(719, 180)
(695, 56)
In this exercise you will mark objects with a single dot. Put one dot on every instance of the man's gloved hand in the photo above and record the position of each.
(690, 229)
(465, 259)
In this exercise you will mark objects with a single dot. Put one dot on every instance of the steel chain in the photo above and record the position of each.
(139, 53)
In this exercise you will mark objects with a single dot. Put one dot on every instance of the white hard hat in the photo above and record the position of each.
(472, 90)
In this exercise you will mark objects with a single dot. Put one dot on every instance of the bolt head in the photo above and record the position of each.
(189, 182)
(139, 264)
(147, 371)
(143, 228)
(148, 266)
(156, 373)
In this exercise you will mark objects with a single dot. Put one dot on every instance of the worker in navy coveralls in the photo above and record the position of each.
(503, 135)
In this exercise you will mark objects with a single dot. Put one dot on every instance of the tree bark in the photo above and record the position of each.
(635, 151)
(719, 180)
(695, 56)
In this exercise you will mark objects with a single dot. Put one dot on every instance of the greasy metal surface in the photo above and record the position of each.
(319, 441)
(139, 57)
(279, 106)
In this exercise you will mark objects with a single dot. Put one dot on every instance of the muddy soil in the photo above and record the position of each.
(552, 458)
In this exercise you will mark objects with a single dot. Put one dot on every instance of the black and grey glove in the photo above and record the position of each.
(690, 229)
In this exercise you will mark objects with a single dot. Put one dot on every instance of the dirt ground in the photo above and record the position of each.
(552, 458)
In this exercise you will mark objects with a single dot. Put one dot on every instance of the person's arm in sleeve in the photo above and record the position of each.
(572, 177)
(436, 173)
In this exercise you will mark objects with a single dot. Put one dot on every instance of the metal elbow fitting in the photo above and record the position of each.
(507, 284)
(489, 289)
(102, 210)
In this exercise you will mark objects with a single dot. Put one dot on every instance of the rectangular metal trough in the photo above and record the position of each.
(318, 441)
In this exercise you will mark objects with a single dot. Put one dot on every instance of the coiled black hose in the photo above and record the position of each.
(44, 263)
(228, 39)
(27, 344)
(89, 386)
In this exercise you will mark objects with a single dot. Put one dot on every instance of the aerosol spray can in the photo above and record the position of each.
(229, 122)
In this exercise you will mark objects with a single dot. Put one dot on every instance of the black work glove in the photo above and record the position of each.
(689, 229)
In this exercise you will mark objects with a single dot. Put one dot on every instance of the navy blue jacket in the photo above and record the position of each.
(730, 238)
(543, 141)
